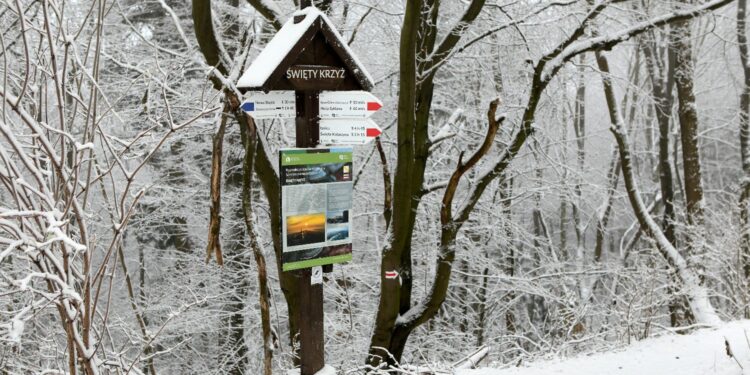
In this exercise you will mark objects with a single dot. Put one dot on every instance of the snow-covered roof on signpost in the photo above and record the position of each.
(307, 38)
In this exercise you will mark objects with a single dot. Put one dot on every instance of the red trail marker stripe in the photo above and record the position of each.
(372, 132)
(373, 106)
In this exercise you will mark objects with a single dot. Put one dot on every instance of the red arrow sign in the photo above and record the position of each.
(373, 132)
(391, 274)
(348, 131)
(373, 106)
(348, 104)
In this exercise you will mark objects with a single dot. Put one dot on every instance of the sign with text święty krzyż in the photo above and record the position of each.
(315, 77)
(316, 203)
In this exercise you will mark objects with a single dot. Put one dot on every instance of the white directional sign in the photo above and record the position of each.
(275, 104)
(348, 131)
(348, 104)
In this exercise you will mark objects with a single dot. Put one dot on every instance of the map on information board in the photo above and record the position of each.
(316, 203)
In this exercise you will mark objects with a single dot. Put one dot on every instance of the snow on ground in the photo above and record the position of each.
(326, 370)
(701, 353)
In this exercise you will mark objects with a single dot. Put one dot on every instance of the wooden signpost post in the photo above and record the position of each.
(308, 56)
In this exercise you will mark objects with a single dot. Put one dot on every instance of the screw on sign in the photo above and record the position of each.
(308, 56)
(317, 275)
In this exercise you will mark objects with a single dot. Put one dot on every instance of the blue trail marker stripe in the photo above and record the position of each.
(248, 106)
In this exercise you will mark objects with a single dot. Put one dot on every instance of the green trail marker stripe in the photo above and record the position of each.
(305, 158)
(317, 262)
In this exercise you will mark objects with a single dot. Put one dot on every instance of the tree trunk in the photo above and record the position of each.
(419, 62)
(602, 217)
(687, 114)
(248, 138)
(685, 72)
(402, 226)
(744, 144)
(506, 191)
(564, 196)
(662, 83)
(236, 274)
(482, 308)
(579, 125)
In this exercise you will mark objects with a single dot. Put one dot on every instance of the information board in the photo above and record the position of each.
(316, 203)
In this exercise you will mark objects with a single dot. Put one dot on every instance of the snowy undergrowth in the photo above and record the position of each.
(701, 353)
(326, 370)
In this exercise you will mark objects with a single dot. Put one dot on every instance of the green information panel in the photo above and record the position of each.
(316, 203)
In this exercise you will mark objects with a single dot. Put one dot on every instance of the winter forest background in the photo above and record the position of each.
(555, 177)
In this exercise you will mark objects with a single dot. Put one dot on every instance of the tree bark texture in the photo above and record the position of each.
(214, 225)
(662, 71)
(402, 226)
(744, 141)
(249, 137)
(682, 48)
(662, 84)
(688, 116)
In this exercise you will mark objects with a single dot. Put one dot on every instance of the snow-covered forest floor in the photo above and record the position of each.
(703, 352)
